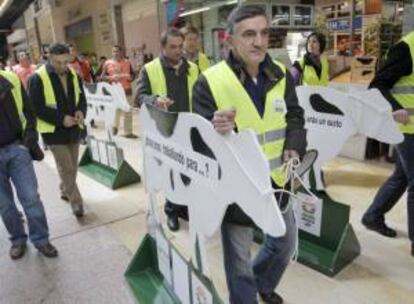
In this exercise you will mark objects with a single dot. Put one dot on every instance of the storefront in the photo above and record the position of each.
(363, 29)
(87, 24)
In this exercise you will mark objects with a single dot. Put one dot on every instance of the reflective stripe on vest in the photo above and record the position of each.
(270, 129)
(17, 94)
(309, 75)
(203, 62)
(403, 90)
(271, 136)
(50, 98)
(158, 82)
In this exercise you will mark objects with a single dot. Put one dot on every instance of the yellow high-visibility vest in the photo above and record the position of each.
(50, 98)
(158, 82)
(270, 129)
(403, 90)
(17, 94)
(309, 75)
(203, 62)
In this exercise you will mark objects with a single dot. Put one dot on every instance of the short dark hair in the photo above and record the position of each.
(243, 12)
(321, 39)
(171, 32)
(190, 30)
(24, 52)
(117, 46)
(58, 48)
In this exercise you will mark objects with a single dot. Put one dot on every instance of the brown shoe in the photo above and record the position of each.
(17, 251)
(48, 250)
(114, 130)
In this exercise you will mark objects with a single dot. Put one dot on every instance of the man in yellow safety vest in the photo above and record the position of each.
(18, 146)
(251, 91)
(395, 80)
(167, 82)
(192, 48)
(59, 101)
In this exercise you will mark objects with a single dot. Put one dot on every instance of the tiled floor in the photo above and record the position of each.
(95, 252)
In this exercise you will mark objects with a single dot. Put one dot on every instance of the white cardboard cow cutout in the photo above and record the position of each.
(235, 172)
(332, 116)
(104, 99)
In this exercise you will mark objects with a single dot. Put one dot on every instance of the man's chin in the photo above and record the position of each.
(257, 60)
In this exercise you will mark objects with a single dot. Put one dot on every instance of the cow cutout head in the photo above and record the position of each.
(165, 121)
(334, 114)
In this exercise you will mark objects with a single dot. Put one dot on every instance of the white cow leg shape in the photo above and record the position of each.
(153, 218)
(199, 254)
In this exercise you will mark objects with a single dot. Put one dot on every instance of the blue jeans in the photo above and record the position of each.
(16, 166)
(402, 179)
(274, 256)
(245, 280)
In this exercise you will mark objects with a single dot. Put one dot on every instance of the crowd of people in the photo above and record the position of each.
(247, 90)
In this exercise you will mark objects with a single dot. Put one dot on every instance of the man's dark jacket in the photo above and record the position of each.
(65, 105)
(10, 116)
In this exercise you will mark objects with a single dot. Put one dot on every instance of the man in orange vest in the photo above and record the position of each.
(119, 69)
(80, 66)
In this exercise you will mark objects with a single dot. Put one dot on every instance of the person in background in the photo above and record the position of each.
(118, 69)
(313, 68)
(192, 48)
(56, 91)
(24, 69)
(94, 64)
(101, 64)
(80, 65)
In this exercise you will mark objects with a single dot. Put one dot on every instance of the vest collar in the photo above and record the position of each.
(184, 67)
(50, 69)
(272, 72)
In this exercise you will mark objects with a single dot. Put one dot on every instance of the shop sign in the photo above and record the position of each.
(344, 24)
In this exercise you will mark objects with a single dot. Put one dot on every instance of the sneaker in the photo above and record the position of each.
(114, 130)
(77, 209)
(131, 136)
(48, 250)
(272, 298)
(17, 251)
(64, 198)
(379, 227)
